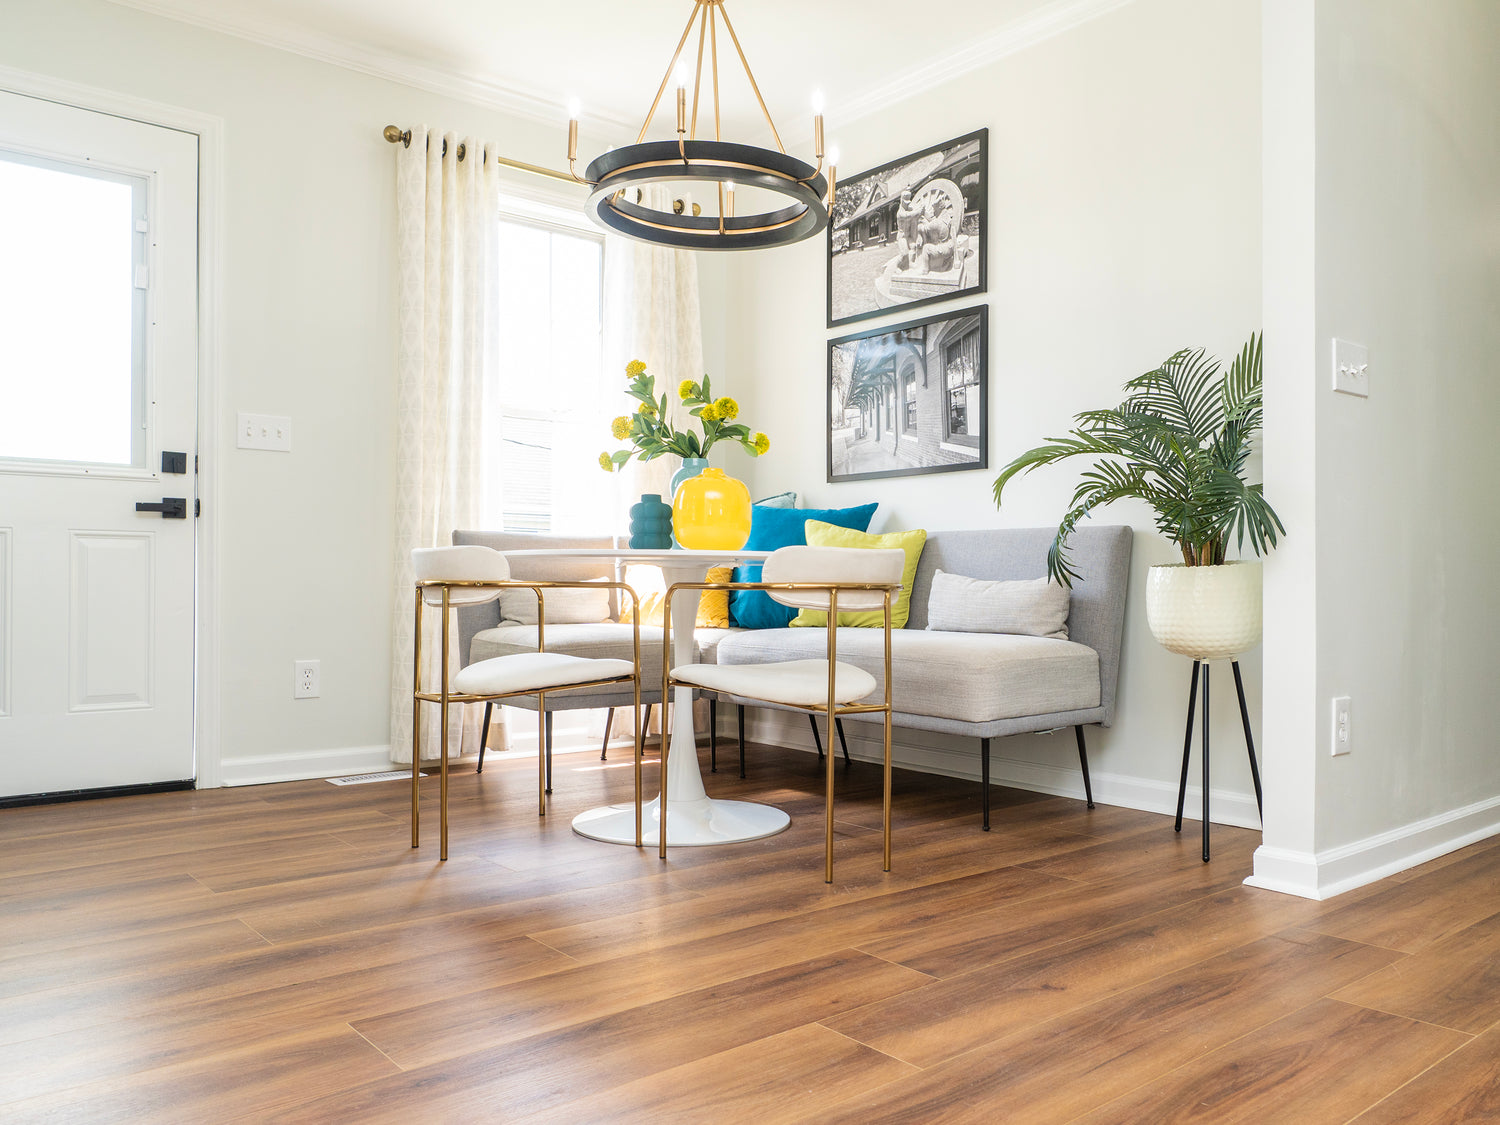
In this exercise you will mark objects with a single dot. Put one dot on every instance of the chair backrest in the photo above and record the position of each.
(475, 618)
(833, 564)
(459, 564)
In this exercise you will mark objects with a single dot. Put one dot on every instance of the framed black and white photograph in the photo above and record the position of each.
(909, 232)
(910, 398)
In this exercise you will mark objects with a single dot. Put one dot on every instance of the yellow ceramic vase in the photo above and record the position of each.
(711, 512)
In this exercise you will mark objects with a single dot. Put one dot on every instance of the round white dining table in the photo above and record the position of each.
(694, 819)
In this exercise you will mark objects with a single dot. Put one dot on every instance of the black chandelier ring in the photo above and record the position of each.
(716, 162)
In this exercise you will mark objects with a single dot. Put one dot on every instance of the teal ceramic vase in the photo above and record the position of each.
(691, 467)
(651, 523)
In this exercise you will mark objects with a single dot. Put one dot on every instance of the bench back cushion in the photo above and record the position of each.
(472, 620)
(1096, 612)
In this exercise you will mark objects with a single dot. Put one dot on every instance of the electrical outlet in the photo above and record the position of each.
(264, 431)
(1343, 732)
(305, 679)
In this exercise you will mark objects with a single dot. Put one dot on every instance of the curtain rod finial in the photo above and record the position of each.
(394, 134)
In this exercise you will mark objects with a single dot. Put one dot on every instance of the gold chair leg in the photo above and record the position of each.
(416, 716)
(833, 615)
(541, 754)
(443, 746)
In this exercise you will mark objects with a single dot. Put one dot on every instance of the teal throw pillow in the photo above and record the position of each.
(770, 529)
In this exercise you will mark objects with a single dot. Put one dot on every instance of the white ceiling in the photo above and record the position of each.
(531, 58)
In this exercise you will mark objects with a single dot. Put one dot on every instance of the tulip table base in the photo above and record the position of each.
(693, 818)
(689, 823)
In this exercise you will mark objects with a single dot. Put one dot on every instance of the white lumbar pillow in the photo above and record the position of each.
(1034, 607)
(565, 606)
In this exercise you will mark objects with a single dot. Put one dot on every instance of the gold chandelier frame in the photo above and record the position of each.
(809, 190)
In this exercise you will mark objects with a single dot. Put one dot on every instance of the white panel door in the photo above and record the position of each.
(98, 378)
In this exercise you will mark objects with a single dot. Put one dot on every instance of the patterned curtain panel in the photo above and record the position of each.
(446, 215)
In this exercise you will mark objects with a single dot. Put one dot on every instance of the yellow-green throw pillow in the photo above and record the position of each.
(827, 535)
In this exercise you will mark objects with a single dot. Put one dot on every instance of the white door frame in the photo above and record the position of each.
(210, 132)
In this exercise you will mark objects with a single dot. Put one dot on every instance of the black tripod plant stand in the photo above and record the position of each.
(1187, 744)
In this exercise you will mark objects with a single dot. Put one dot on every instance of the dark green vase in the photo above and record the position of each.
(651, 523)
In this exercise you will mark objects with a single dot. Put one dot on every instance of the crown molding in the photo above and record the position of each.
(1052, 20)
(362, 59)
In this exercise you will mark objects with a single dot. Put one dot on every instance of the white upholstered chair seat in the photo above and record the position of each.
(798, 683)
(536, 671)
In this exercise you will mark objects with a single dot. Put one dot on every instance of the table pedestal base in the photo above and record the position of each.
(690, 824)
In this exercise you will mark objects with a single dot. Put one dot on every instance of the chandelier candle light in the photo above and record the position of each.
(720, 162)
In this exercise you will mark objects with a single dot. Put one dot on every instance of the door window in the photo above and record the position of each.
(72, 313)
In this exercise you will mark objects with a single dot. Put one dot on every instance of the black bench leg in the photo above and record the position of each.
(742, 739)
(984, 779)
(1187, 743)
(608, 722)
(548, 740)
(484, 733)
(1083, 760)
(839, 723)
(818, 742)
(713, 736)
(1239, 686)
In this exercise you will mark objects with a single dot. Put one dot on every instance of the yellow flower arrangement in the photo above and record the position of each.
(652, 435)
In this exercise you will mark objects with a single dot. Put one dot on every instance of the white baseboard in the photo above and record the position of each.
(300, 765)
(956, 756)
(1324, 874)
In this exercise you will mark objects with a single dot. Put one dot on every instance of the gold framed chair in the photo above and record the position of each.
(830, 579)
(450, 577)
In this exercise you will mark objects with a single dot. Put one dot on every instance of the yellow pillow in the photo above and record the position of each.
(713, 607)
(827, 535)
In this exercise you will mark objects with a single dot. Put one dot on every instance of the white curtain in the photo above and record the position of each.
(446, 214)
(651, 313)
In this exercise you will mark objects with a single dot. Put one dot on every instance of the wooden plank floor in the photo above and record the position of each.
(281, 953)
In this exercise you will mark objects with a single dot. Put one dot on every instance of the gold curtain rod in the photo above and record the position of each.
(394, 134)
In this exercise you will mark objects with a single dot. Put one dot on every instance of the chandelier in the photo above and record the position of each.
(808, 192)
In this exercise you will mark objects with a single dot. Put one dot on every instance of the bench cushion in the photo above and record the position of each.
(969, 677)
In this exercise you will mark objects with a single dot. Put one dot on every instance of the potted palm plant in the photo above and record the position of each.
(1180, 442)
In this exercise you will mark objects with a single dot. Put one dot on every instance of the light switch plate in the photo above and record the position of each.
(1351, 368)
(264, 431)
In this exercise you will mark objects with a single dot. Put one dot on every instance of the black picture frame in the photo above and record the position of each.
(870, 272)
(909, 399)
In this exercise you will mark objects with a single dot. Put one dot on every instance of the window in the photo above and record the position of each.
(72, 318)
(909, 399)
(542, 474)
(961, 382)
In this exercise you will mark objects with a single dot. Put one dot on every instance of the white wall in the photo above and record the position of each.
(1124, 210)
(308, 330)
(1404, 182)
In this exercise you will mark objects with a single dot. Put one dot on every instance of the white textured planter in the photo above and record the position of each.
(1205, 612)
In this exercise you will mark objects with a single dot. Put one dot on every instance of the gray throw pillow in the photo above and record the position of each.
(1035, 607)
(780, 500)
(565, 606)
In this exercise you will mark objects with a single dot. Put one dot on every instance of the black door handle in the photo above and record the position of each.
(171, 507)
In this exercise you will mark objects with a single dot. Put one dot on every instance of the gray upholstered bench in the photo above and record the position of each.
(986, 685)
